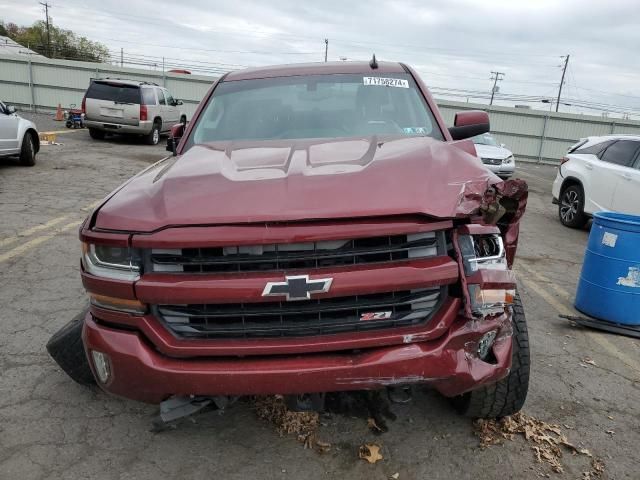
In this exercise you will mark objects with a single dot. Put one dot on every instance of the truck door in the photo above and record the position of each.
(173, 113)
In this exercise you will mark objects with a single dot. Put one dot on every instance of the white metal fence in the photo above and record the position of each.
(41, 84)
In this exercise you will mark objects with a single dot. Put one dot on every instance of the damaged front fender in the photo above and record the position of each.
(501, 203)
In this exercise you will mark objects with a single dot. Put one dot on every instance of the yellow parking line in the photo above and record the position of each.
(32, 230)
(92, 205)
(37, 241)
(562, 309)
(51, 223)
(56, 132)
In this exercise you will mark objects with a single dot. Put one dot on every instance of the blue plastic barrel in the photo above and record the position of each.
(609, 287)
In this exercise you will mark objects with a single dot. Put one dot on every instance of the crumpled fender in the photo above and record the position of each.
(501, 203)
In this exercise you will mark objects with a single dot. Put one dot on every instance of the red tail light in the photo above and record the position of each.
(564, 160)
(143, 113)
(84, 103)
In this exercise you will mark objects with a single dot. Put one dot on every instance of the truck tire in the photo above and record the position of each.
(153, 138)
(96, 134)
(28, 150)
(507, 396)
(66, 348)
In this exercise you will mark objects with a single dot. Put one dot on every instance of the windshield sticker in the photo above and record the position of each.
(386, 82)
(414, 131)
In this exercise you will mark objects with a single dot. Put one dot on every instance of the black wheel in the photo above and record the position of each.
(96, 134)
(28, 150)
(154, 136)
(68, 124)
(507, 396)
(571, 207)
(66, 348)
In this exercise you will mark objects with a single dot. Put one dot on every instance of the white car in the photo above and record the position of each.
(494, 155)
(18, 136)
(598, 174)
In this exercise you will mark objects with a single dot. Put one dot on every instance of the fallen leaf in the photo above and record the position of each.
(609, 417)
(610, 432)
(547, 440)
(589, 361)
(323, 447)
(370, 452)
(371, 423)
(395, 476)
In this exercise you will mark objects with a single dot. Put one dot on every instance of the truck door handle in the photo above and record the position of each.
(626, 176)
(588, 166)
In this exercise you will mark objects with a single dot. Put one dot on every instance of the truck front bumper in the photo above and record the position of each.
(449, 363)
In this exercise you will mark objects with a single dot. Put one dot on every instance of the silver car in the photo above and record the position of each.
(130, 107)
(18, 137)
(494, 155)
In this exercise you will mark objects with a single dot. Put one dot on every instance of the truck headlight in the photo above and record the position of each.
(484, 251)
(508, 160)
(119, 263)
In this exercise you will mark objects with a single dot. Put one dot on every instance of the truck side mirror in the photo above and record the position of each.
(469, 124)
(174, 138)
(11, 109)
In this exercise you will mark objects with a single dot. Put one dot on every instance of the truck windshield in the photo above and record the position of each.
(315, 106)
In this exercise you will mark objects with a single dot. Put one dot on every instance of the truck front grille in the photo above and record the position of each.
(312, 317)
(290, 256)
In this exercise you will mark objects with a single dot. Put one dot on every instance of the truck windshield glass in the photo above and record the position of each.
(315, 106)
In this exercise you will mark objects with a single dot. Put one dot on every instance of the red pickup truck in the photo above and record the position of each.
(318, 229)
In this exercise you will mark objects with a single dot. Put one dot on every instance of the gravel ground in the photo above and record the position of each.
(51, 428)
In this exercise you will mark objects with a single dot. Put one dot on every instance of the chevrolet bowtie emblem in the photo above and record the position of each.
(297, 287)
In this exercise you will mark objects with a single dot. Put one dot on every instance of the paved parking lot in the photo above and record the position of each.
(52, 428)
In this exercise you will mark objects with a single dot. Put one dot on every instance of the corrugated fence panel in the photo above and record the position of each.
(534, 135)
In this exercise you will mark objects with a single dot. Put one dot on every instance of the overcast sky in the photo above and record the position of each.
(454, 44)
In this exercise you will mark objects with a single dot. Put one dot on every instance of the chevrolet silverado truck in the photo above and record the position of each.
(317, 229)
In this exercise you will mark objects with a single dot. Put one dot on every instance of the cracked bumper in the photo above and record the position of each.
(449, 364)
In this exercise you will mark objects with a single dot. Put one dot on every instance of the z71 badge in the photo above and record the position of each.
(375, 316)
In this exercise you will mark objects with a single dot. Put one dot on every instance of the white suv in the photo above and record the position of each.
(598, 173)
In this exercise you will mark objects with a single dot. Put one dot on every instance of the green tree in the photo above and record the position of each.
(63, 44)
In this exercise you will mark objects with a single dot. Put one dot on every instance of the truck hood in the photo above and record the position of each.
(275, 181)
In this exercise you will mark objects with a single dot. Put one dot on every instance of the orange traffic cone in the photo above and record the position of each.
(59, 116)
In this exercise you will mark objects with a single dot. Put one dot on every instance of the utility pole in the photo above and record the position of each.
(496, 77)
(46, 14)
(326, 48)
(121, 57)
(564, 70)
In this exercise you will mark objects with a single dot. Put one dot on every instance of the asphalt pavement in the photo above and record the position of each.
(51, 428)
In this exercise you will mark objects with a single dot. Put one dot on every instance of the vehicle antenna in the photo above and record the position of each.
(373, 63)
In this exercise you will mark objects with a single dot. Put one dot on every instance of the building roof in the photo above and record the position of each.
(319, 68)
(9, 47)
